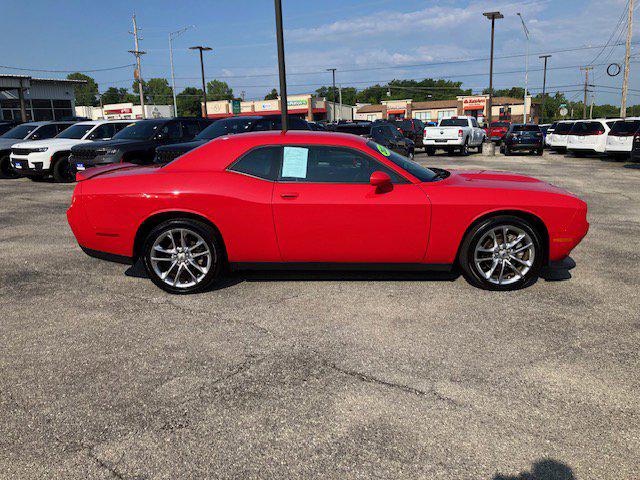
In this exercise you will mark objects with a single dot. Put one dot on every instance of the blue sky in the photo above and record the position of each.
(367, 41)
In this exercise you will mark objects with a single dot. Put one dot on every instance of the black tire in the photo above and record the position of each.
(464, 150)
(411, 154)
(475, 276)
(62, 170)
(507, 150)
(539, 152)
(6, 169)
(430, 151)
(37, 178)
(207, 233)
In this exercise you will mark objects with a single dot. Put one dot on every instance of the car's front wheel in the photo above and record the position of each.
(502, 253)
(6, 169)
(183, 256)
(63, 171)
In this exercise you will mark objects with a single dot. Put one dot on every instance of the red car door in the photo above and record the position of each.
(325, 210)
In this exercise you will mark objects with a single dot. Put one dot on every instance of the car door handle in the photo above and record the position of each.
(289, 195)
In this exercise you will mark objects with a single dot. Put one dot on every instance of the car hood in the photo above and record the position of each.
(122, 144)
(51, 143)
(500, 180)
(181, 147)
(6, 143)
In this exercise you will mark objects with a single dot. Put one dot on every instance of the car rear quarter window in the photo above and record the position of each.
(626, 127)
(261, 162)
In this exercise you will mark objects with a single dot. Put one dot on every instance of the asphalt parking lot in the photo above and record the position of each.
(102, 375)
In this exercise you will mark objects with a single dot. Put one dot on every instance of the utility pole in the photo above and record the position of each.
(204, 87)
(282, 70)
(340, 101)
(544, 85)
(586, 89)
(172, 36)
(138, 72)
(492, 16)
(333, 92)
(593, 97)
(625, 81)
(526, 66)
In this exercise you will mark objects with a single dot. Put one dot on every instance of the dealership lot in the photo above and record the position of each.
(103, 375)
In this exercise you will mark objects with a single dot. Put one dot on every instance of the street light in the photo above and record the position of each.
(526, 66)
(544, 85)
(204, 87)
(491, 16)
(172, 36)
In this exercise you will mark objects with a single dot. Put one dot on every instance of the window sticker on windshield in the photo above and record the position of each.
(384, 150)
(294, 162)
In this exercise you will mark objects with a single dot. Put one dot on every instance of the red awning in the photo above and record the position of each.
(474, 107)
(395, 112)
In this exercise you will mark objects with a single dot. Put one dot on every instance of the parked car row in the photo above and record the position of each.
(617, 138)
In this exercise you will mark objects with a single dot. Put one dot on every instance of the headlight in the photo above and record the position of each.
(43, 149)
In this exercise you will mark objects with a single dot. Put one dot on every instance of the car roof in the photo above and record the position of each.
(100, 122)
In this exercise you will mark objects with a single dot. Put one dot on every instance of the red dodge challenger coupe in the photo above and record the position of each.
(320, 200)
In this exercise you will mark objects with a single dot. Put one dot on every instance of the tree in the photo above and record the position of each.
(116, 95)
(348, 94)
(427, 89)
(273, 95)
(189, 102)
(86, 93)
(155, 90)
(217, 90)
(514, 92)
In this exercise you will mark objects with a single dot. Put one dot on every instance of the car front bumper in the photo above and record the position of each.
(79, 164)
(35, 163)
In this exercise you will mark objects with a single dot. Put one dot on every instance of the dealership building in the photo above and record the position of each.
(503, 108)
(33, 99)
(124, 111)
(305, 106)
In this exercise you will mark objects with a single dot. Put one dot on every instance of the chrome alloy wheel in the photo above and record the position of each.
(504, 254)
(181, 258)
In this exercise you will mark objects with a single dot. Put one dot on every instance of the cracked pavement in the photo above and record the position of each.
(322, 375)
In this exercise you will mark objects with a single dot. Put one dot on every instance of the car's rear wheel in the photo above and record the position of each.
(464, 150)
(62, 170)
(540, 151)
(6, 169)
(430, 151)
(183, 256)
(502, 253)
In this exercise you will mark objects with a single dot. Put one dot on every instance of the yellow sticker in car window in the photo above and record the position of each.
(384, 150)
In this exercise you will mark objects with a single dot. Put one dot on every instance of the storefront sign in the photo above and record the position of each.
(297, 103)
(117, 111)
(474, 103)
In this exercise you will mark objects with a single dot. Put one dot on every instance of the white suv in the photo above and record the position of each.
(589, 136)
(560, 136)
(40, 158)
(620, 138)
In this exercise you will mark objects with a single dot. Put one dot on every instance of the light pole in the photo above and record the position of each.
(526, 66)
(204, 87)
(544, 85)
(333, 94)
(281, 66)
(172, 36)
(491, 16)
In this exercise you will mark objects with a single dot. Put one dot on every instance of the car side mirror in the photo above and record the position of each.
(381, 181)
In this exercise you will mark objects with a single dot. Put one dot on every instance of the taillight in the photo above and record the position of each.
(600, 132)
(460, 133)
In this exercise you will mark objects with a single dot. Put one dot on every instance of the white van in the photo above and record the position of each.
(620, 138)
(589, 136)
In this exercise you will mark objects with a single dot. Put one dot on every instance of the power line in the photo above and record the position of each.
(129, 65)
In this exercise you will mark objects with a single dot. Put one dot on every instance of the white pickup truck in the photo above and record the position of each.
(454, 134)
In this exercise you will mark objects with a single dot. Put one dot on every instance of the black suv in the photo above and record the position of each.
(388, 135)
(412, 129)
(228, 126)
(137, 143)
(523, 137)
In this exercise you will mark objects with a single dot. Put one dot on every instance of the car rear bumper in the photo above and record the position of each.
(525, 146)
(445, 142)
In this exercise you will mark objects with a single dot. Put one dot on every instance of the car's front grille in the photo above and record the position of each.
(21, 151)
(166, 156)
(84, 154)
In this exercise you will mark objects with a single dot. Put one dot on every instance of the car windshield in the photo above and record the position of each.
(421, 173)
(143, 130)
(526, 128)
(500, 124)
(19, 132)
(625, 128)
(225, 127)
(75, 132)
(454, 122)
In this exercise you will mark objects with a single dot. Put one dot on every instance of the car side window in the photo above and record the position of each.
(119, 126)
(379, 134)
(320, 164)
(190, 128)
(263, 125)
(102, 131)
(474, 123)
(171, 131)
(261, 162)
(45, 131)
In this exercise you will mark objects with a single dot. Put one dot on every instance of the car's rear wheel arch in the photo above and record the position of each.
(536, 223)
(153, 221)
